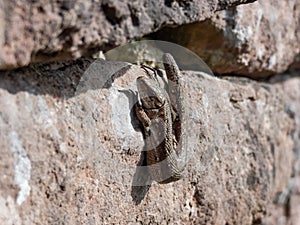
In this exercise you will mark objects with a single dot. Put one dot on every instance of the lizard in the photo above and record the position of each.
(161, 113)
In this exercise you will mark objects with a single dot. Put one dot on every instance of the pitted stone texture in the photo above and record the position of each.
(255, 40)
(286, 208)
(76, 128)
(33, 31)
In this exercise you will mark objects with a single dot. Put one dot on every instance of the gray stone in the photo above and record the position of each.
(255, 40)
(39, 31)
(69, 153)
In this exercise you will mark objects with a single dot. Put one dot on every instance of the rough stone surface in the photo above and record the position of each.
(32, 31)
(286, 209)
(70, 146)
(256, 39)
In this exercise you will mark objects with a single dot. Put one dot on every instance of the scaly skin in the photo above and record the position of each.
(161, 115)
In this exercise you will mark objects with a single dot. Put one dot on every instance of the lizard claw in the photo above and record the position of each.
(154, 77)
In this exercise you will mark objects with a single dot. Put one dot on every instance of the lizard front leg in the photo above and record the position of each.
(143, 118)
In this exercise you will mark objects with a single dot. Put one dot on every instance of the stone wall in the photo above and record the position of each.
(71, 145)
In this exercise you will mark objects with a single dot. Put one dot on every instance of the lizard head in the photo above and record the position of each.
(151, 94)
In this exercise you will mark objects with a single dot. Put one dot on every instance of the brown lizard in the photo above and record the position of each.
(161, 114)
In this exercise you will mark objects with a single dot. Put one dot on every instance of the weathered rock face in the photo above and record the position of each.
(248, 39)
(43, 30)
(70, 145)
(255, 39)
(287, 209)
